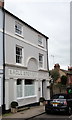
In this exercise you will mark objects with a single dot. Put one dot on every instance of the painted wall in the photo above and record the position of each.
(29, 51)
(28, 34)
(13, 73)
(29, 42)
(30, 66)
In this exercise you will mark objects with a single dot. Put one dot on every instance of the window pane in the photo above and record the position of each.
(18, 28)
(19, 82)
(40, 40)
(29, 87)
(40, 60)
(29, 90)
(18, 55)
(29, 82)
(19, 91)
(19, 88)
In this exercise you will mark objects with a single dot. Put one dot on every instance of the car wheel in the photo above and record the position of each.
(70, 111)
(47, 111)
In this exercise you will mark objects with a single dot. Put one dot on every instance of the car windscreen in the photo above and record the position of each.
(60, 96)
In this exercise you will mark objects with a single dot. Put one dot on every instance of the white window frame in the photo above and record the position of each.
(18, 30)
(30, 86)
(22, 55)
(23, 89)
(20, 87)
(41, 62)
(40, 40)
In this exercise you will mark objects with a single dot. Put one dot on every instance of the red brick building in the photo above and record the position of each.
(61, 72)
(69, 74)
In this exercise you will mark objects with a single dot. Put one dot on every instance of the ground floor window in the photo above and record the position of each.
(25, 88)
(19, 88)
(29, 87)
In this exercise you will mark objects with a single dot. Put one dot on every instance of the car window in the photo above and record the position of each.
(58, 96)
(61, 96)
(70, 96)
(55, 96)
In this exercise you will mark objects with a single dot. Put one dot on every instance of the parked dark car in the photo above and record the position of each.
(59, 102)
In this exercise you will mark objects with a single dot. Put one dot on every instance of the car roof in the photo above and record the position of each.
(60, 94)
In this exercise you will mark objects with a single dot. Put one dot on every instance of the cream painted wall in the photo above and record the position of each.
(28, 34)
(29, 69)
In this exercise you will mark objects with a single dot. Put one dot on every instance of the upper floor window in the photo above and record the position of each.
(18, 54)
(40, 40)
(18, 28)
(40, 60)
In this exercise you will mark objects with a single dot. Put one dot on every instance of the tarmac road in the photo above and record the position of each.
(52, 117)
(36, 113)
(45, 117)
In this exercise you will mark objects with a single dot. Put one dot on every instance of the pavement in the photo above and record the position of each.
(0, 117)
(70, 117)
(26, 114)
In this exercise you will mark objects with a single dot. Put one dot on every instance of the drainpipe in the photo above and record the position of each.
(47, 54)
(3, 109)
(3, 106)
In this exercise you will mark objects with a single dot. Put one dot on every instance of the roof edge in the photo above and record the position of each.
(25, 23)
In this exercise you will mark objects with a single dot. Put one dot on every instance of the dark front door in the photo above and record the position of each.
(43, 88)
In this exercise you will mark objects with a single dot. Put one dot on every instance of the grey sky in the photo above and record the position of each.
(52, 18)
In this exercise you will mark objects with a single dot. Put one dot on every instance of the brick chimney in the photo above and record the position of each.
(1, 3)
(57, 66)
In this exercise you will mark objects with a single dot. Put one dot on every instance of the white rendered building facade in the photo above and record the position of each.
(26, 63)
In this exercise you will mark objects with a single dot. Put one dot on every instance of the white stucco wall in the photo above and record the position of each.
(13, 73)
(29, 42)
(28, 34)
(29, 69)
(29, 51)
